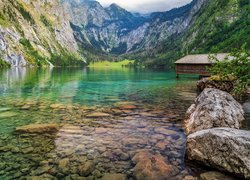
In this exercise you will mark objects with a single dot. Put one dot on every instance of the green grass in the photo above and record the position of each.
(108, 64)
(4, 64)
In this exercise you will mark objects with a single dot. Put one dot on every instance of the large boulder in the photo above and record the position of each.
(226, 149)
(149, 166)
(217, 84)
(38, 128)
(214, 108)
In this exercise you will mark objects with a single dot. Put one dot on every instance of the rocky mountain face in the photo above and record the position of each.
(115, 30)
(35, 32)
(64, 32)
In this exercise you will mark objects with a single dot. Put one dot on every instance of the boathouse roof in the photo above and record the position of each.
(200, 58)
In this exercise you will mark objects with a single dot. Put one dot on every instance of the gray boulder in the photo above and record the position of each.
(223, 148)
(214, 108)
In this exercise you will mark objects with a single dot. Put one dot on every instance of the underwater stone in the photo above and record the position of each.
(87, 168)
(8, 114)
(4, 109)
(97, 115)
(149, 166)
(214, 175)
(114, 177)
(38, 128)
(63, 165)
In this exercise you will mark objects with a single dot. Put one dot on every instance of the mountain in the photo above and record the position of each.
(101, 28)
(117, 31)
(219, 26)
(66, 32)
(36, 32)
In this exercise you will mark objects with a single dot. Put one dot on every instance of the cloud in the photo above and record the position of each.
(146, 6)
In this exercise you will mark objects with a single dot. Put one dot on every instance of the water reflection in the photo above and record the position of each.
(87, 86)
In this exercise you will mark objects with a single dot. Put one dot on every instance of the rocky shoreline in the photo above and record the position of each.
(213, 137)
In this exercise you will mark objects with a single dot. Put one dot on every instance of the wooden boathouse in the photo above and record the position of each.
(196, 64)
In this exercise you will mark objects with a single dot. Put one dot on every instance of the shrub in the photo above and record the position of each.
(66, 59)
(32, 54)
(235, 69)
(4, 64)
(46, 22)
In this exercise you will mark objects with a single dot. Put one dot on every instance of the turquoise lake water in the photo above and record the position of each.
(92, 86)
(105, 117)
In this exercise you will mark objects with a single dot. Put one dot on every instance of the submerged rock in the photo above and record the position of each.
(223, 148)
(214, 108)
(214, 175)
(162, 130)
(128, 107)
(63, 165)
(7, 114)
(87, 168)
(130, 141)
(114, 177)
(38, 128)
(149, 166)
(97, 115)
(4, 109)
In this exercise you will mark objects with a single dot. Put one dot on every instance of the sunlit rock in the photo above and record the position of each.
(214, 108)
(226, 149)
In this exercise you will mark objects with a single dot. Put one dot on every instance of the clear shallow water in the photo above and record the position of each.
(105, 118)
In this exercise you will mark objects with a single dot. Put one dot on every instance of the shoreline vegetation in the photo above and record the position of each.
(118, 64)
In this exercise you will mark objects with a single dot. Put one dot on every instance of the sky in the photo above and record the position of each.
(146, 6)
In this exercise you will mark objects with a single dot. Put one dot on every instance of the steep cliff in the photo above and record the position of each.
(115, 30)
(36, 32)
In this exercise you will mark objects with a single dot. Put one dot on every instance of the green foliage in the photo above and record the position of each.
(4, 64)
(220, 26)
(8, 17)
(46, 22)
(32, 54)
(236, 69)
(108, 64)
(66, 59)
(26, 15)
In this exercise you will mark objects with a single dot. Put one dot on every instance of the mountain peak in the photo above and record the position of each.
(114, 5)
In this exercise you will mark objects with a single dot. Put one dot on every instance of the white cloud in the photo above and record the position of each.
(146, 6)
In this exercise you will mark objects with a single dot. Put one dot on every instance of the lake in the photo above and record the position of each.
(106, 117)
